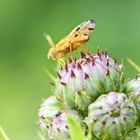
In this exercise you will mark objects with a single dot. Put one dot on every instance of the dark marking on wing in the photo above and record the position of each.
(76, 35)
(91, 29)
(92, 21)
(78, 28)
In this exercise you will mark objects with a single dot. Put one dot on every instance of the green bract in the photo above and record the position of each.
(134, 134)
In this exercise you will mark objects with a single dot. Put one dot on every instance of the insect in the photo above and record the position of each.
(72, 41)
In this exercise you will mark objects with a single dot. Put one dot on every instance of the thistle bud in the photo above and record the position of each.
(52, 119)
(111, 116)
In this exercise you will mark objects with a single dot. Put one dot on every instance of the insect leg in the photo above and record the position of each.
(71, 45)
(61, 62)
(64, 59)
(87, 48)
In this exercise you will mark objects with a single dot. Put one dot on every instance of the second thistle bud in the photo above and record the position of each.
(53, 119)
(111, 116)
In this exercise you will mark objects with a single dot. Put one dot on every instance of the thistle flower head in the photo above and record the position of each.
(82, 81)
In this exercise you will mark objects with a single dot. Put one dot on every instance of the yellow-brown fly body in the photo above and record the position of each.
(73, 41)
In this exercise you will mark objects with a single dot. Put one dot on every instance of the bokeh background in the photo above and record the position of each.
(23, 48)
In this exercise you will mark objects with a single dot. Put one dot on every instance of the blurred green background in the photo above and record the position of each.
(23, 49)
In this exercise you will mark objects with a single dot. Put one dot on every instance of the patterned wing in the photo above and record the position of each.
(85, 27)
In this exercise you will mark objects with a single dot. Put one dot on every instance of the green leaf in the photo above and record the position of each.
(76, 132)
(137, 67)
(3, 136)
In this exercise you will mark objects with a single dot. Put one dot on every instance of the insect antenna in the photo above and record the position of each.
(49, 39)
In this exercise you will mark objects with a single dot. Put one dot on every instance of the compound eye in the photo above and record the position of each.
(53, 55)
